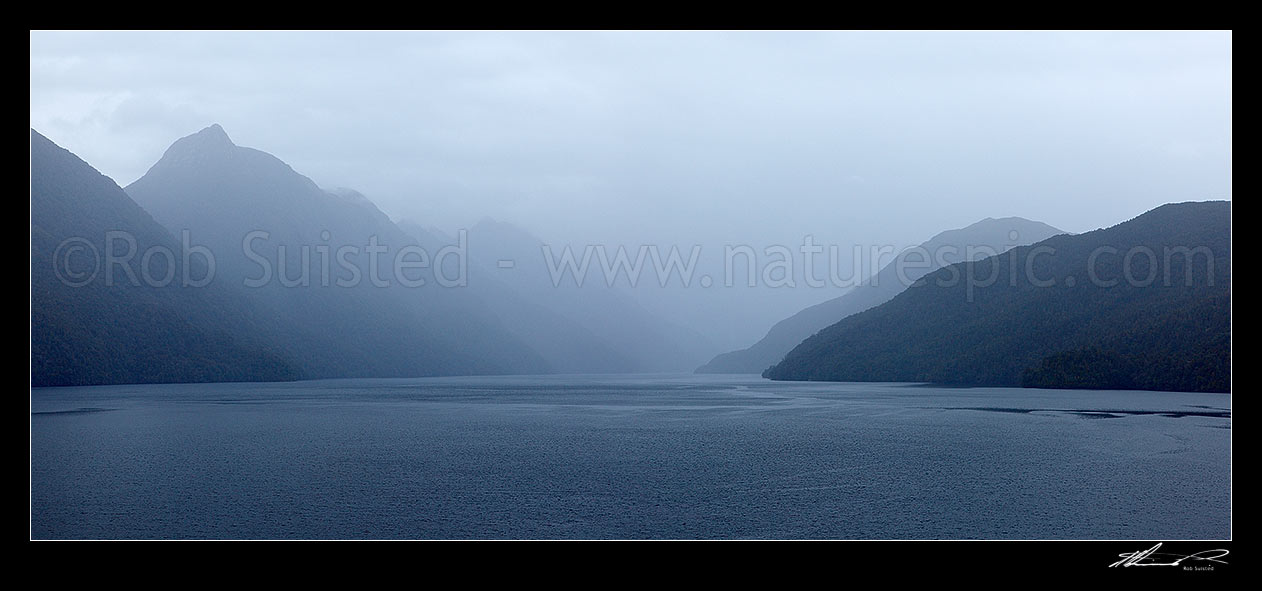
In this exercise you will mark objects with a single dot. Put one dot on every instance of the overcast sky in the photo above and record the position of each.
(638, 137)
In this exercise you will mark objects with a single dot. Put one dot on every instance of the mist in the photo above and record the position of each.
(854, 285)
(687, 140)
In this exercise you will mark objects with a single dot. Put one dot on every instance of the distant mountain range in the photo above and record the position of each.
(307, 283)
(222, 263)
(1145, 304)
(322, 264)
(984, 238)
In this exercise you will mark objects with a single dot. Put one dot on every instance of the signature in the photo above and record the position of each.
(1150, 557)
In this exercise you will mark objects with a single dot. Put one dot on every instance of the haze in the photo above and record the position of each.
(677, 138)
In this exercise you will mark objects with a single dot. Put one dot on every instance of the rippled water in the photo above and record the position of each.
(626, 457)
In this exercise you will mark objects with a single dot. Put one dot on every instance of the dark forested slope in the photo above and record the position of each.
(988, 236)
(1144, 304)
(94, 321)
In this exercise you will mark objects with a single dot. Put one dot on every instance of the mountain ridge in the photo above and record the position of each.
(270, 225)
(991, 233)
(90, 327)
(1169, 334)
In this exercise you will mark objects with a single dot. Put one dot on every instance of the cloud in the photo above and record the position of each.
(642, 134)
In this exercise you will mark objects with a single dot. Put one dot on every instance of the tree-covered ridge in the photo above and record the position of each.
(1144, 304)
(87, 330)
(952, 246)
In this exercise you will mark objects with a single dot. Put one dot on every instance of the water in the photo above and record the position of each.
(598, 457)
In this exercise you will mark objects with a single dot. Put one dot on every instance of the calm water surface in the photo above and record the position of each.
(626, 457)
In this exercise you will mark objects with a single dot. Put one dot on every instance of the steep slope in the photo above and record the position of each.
(984, 238)
(358, 297)
(1144, 304)
(98, 322)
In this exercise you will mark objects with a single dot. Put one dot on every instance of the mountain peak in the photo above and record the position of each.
(213, 135)
(211, 140)
(197, 150)
(991, 229)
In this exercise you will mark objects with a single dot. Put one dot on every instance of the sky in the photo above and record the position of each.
(676, 138)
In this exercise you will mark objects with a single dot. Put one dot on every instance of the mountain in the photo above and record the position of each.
(353, 294)
(628, 337)
(978, 240)
(144, 317)
(1145, 304)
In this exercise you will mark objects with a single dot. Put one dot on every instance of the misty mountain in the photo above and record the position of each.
(1145, 304)
(984, 238)
(113, 300)
(355, 295)
(640, 340)
(566, 345)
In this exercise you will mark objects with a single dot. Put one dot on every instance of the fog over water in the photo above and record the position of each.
(861, 285)
(677, 138)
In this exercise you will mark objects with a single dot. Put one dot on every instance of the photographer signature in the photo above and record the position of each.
(1150, 557)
